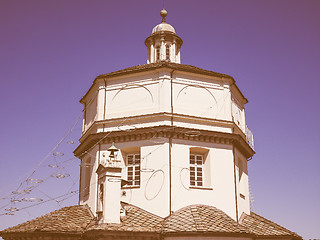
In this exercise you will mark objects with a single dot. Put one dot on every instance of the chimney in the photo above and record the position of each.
(109, 190)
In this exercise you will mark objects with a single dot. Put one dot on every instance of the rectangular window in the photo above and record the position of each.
(196, 170)
(158, 53)
(240, 166)
(87, 177)
(133, 169)
(167, 52)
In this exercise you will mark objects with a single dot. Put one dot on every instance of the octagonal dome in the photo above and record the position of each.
(163, 27)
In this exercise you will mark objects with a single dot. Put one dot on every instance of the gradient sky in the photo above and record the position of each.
(52, 50)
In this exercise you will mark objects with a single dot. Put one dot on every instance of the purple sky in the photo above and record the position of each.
(51, 51)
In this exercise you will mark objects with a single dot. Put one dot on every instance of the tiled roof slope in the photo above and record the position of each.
(152, 66)
(264, 227)
(135, 220)
(201, 218)
(73, 219)
(190, 219)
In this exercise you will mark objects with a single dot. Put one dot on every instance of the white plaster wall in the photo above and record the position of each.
(196, 124)
(205, 238)
(153, 193)
(242, 185)
(283, 238)
(150, 92)
(194, 95)
(132, 98)
(201, 96)
(238, 115)
(90, 113)
(91, 200)
(218, 187)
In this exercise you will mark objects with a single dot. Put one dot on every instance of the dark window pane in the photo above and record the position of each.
(130, 158)
(192, 161)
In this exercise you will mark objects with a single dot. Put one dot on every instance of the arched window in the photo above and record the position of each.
(167, 52)
(158, 53)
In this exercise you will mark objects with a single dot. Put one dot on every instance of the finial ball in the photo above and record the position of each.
(163, 13)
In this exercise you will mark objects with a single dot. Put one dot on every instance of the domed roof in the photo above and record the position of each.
(163, 27)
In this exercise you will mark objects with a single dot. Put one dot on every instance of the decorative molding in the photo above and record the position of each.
(148, 133)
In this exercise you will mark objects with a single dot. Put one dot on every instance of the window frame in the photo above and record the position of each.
(87, 169)
(200, 172)
(196, 162)
(133, 176)
(158, 53)
(167, 52)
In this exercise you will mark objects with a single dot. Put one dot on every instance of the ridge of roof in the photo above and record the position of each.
(265, 227)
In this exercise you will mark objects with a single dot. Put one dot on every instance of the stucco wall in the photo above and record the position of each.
(200, 102)
(153, 92)
(206, 238)
(218, 169)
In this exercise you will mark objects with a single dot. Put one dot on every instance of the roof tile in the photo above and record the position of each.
(136, 220)
(68, 219)
(201, 218)
(194, 218)
(264, 227)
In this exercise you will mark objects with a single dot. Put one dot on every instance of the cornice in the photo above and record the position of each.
(165, 34)
(148, 133)
(160, 116)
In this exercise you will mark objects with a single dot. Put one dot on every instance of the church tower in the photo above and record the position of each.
(163, 136)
